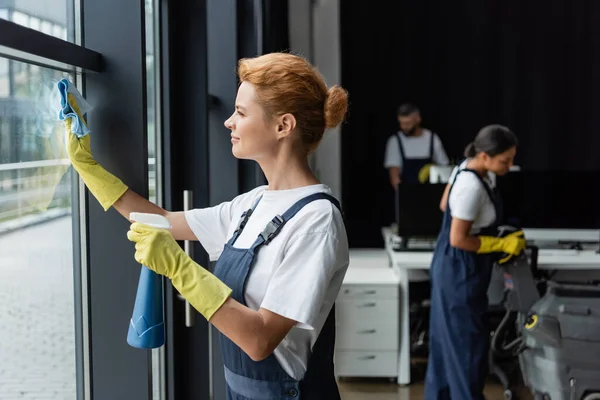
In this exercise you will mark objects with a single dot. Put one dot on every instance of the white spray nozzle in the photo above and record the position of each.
(154, 220)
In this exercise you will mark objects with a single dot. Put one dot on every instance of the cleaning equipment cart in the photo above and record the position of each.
(558, 344)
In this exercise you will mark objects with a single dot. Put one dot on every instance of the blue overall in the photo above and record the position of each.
(458, 338)
(266, 379)
(411, 166)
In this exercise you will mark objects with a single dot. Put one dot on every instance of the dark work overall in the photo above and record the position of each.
(411, 166)
(266, 379)
(419, 291)
(459, 335)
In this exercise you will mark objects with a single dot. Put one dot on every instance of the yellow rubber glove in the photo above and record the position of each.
(158, 250)
(424, 173)
(105, 187)
(512, 244)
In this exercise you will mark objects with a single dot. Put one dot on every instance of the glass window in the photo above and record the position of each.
(4, 84)
(37, 298)
(35, 23)
(20, 18)
(47, 27)
(31, 13)
(57, 31)
(151, 99)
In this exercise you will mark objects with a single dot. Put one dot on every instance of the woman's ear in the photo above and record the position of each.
(285, 125)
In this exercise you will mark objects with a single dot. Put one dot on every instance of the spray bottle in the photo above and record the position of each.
(147, 327)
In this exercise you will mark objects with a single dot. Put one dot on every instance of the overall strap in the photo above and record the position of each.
(485, 185)
(276, 224)
(493, 197)
(400, 147)
(243, 221)
(431, 147)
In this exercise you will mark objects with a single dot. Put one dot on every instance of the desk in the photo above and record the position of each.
(402, 262)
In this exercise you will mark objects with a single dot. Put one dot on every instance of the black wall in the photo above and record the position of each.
(532, 65)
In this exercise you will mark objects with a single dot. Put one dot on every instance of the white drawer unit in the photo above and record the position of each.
(367, 321)
(350, 291)
(368, 335)
(366, 364)
(372, 310)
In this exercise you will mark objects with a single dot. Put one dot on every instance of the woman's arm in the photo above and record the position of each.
(297, 290)
(133, 202)
(109, 190)
(395, 180)
(257, 333)
(444, 200)
(460, 236)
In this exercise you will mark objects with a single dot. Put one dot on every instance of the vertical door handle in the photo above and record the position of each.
(190, 313)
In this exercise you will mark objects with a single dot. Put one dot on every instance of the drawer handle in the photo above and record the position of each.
(367, 357)
(363, 292)
(367, 331)
(369, 292)
(367, 305)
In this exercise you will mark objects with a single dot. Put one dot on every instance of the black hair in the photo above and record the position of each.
(491, 140)
(406, 109)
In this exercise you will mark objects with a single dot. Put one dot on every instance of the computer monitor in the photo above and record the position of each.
(551, 199)
(511, 189)
(418, 210)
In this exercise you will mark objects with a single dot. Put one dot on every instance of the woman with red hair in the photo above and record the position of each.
(281, 249)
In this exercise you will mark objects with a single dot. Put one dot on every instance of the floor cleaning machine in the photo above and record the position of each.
(557, 341)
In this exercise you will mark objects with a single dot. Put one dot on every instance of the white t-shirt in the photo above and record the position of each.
(298, 275)
(470, 201)
(414, 147)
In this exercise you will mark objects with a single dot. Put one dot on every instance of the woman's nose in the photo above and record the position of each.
(229, 123)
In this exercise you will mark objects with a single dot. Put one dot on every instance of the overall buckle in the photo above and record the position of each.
(244, 220)
(272, 229)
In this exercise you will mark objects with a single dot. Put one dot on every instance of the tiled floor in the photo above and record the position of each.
(374, 389)
(37, 329)
(383, 389)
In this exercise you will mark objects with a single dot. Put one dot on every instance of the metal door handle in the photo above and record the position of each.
(369, 292)
(190, 313)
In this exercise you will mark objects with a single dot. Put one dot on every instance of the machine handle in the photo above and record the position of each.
(190, 315)
(534, 252)
(574, 310)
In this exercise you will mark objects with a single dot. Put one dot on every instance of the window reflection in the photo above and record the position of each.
(52, 17)
(4, 83)
(37, 334)
(38, 356)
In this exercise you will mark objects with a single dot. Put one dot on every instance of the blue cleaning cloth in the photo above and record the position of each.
(78, 127)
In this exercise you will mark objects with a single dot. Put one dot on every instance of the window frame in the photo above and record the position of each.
(20, 43)
(105, 282)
